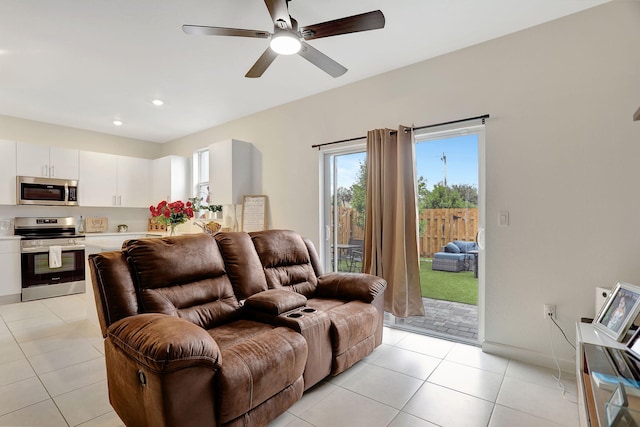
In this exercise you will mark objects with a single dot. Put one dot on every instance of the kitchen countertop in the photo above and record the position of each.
(115, 234)
(10, 237)
(103, 242)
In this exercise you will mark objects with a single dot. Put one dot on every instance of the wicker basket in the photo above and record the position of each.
(158, 228)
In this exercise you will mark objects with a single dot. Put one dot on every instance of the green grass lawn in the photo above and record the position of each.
(444, 285)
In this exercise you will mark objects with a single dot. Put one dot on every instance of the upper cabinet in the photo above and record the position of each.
(170, 179)
(108, 180)
(230, 171)
(134, 182)
(45, 161)
(98, 179)
(7, 172)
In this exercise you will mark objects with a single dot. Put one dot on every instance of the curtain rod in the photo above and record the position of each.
(483, 117)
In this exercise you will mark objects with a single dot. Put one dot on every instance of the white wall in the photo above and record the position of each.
(562, 154)
(15, 129)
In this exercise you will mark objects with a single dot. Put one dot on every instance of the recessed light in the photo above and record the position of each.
(158, 102)
(117, 122)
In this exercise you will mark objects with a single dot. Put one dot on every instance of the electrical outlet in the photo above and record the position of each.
(550, 311)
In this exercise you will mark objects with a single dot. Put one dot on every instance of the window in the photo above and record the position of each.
(201, 174)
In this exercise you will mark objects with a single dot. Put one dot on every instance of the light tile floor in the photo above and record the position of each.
(52, 374)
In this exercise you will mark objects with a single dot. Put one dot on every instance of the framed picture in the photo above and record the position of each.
(254, 213)
(619, 310)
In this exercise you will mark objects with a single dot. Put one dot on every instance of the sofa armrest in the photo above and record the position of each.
(350, 286)
(164, 343)
(275, 301)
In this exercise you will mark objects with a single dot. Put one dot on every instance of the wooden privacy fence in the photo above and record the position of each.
(347, 225)
(442, 226)
(438, 226)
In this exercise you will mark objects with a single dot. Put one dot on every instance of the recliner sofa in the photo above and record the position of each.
(226, 330)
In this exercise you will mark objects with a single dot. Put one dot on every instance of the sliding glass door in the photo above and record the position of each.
(344, 208)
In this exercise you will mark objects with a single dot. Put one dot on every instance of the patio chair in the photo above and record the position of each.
(356, 254)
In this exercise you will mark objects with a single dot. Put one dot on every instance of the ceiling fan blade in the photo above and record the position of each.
(321, 60)
(262, 63)
(279, 11)
(222, 31)
(351, 24)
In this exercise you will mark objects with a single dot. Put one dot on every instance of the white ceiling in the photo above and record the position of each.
(84, 63)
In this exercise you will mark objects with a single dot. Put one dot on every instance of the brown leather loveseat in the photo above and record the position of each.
(226, 330)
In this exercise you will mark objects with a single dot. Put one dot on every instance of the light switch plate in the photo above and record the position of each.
(503, 218)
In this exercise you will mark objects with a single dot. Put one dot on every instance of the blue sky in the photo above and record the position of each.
(462, 162)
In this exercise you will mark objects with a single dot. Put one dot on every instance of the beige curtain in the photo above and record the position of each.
(391, 228)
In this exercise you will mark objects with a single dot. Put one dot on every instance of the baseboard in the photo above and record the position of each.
(528, 356)
(9, 299)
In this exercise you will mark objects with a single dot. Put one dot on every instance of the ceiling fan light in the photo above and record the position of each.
(285, 43)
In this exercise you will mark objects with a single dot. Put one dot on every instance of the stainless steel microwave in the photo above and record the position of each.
(46, 191)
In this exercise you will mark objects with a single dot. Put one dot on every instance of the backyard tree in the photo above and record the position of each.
(423, 193)
(359, 193)
(444, 197)
(468, 192)
(344, 196)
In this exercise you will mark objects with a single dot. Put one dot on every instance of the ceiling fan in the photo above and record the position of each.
(288, 39)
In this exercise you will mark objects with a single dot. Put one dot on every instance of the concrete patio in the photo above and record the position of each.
(445, 319)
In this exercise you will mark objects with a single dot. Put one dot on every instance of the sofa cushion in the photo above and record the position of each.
(353, 327)
(452, 248)
(258, 362)
(183, 276)
(242, 263)
(285, 259)
(351, 323)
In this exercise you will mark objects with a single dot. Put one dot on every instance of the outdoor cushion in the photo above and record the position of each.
(452, 248)
(446, 255)
(466, 246)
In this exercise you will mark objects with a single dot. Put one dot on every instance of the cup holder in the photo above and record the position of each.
(295, 315)
(308, 310)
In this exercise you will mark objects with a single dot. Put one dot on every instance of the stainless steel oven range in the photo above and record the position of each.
(52, 257)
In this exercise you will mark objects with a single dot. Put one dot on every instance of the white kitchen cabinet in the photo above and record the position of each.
(109, 180)
(134, 182)
(98, 179)
(46, 161)
(10, 285)
(7, 172)
(170, 179)
(230, 172)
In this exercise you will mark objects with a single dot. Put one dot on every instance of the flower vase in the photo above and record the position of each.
(172, 229)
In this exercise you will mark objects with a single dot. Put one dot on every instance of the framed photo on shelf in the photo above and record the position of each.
(619, 310)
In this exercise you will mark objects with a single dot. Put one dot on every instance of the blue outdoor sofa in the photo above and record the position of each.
(455, 257)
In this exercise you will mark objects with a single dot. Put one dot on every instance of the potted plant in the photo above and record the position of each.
(216, 210)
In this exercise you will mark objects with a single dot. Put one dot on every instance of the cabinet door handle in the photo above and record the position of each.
(119, 200)
(52, 171)
(113, 201)
(45, 170)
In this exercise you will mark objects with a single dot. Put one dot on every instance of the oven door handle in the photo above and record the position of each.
(44, 249)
